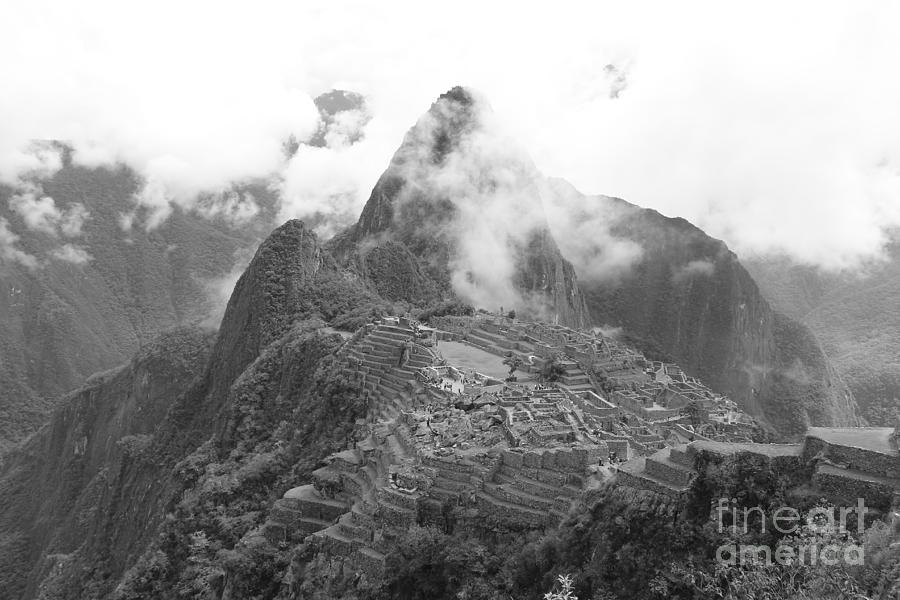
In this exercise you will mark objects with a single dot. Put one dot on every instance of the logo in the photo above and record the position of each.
(821, 536)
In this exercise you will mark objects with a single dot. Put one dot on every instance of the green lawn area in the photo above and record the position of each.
(465, 357)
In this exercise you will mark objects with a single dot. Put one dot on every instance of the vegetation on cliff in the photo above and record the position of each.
(854, 316)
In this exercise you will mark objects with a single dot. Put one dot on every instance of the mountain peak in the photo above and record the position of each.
(460, 94)
(438, 133)
(458, 213)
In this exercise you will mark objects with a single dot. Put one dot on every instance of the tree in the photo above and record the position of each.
(694, 410)
(552, 370)
(514, 362)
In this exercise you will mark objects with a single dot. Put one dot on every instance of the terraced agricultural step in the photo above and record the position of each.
(452, 484)
(371, 560)
(517, 496)
(439, 493)
(536, 517)
(336, 542)
(418, 364)
(355, 484)
(307, 526)
(354, 531)
(361, 517)
(391, 385)
(396, 497)
(395, 330)
(531, 486)
(545, 476)
(309, 503)
(396, 515)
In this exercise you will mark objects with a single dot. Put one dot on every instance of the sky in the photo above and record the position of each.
(771, 125)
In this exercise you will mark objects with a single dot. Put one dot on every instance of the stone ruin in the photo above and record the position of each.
(441, 437)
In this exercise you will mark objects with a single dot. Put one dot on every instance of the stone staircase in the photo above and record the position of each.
(575, 379)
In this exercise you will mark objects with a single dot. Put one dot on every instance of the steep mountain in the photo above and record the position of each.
(84, 283)
(855, 317)
(458, 213)
(192, 438)
(686, 296)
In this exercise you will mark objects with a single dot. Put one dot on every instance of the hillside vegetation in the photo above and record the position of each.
(855, 317)
(62, 321)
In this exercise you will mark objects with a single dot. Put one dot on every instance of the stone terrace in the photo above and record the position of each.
(441, 436)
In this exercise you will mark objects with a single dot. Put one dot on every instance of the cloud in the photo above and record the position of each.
(40, 213)
(482, 197)
(31, 159)
(328, 186)
(72, 254)
(192, 103)
(772, 125)
(695, 268)
(618, 80)
(583, 226)
(219, 289)
(8, 251)
(608, 331)
(234, 207)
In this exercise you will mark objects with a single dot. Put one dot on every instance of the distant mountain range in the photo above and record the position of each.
(85, 281)
(75, 314)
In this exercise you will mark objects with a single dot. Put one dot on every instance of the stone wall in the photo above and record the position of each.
(860, 459)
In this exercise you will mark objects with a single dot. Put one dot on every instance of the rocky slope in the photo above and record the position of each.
(78, 494)
(687, 297)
